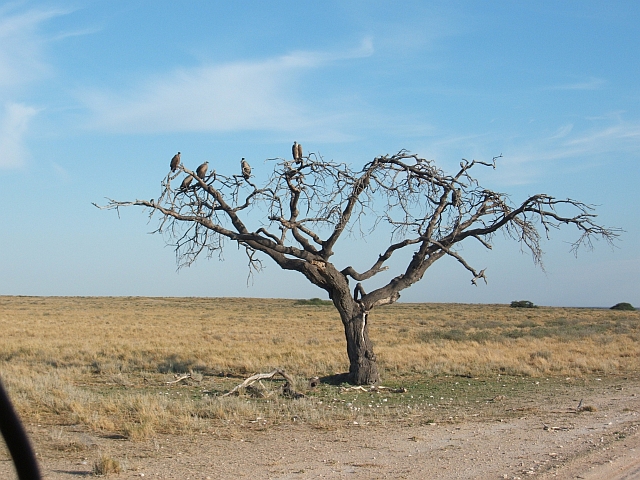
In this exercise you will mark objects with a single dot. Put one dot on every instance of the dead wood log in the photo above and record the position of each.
(195, 376)
(179, 378)
(287, 389)
(374, 388)
(555, 429)
(258, 390)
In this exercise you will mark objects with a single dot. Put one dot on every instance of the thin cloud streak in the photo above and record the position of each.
(562, 132)
(13, 127)
(22, 48)
(76, 33)
(527, 161)
(610, 135)
(21, 45)
(575, 151)
(590, 84)
(237, 96)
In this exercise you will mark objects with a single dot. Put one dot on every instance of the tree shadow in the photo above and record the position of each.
(175, 364)
(178, 365)
(78, 473)
(336, 379)
(114, 436)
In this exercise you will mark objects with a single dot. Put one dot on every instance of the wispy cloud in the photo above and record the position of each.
(13, 127)
(591, 83)
(60, 172)
(21, 46)
(563, 131)
(76, 33)
(260, 95)
(22, 62)
(571, 149)
(622, 137)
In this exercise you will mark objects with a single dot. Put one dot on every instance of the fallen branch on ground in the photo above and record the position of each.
(374, 388)
(554, 429)
(179, 379)
(287, 389)
(195, 376)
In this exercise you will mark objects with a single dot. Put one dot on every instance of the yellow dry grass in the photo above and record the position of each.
(106, 465)
(104, 362)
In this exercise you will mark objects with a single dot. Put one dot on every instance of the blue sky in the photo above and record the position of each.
(96, 97)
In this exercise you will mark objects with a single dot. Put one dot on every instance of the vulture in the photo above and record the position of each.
(299, 153)
(201, 171)
(185, 183)
(296, 150)
(246, 169)
(175, 161)
(455, 198)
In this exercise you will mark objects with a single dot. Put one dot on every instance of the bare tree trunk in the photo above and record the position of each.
(363, 369)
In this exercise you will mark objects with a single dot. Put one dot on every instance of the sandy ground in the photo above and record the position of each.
(554, 441)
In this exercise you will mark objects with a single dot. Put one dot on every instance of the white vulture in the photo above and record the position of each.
(294, 151)
(185, 183)
(175, 161)
(246, 169)
(201, 171)
(299, 153)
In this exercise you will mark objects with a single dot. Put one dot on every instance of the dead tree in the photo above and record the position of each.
(307, 205)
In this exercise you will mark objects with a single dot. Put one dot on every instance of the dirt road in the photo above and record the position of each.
(553, 441)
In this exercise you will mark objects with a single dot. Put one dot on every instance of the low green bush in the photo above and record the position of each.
(522, 304)
(623, 306)
(313, 301)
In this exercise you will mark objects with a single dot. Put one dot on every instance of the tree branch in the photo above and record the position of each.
(423, 207)
(458, 257)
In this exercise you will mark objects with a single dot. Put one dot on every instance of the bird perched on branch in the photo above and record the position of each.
(185, 183)
(201, 171)
(455, 197)
(175, 161)
(296, 150)
(246, 169)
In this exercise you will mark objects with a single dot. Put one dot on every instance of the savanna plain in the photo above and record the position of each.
(135, 387)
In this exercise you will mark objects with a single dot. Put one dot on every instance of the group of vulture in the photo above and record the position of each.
(201, 171)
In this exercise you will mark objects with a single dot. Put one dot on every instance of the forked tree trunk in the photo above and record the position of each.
(363, 369)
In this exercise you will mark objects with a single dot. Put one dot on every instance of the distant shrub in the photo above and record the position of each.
(515, 333)
(313, 301)
(482, 336)
(522, 304)
(527, 324)
(623, 306)
(453, 334)
(587, 408)
(545, 354)
(106, 465)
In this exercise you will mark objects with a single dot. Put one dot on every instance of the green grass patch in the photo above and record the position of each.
(560, 328)
(317, 302)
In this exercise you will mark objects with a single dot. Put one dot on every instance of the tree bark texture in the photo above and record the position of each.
(363, 369)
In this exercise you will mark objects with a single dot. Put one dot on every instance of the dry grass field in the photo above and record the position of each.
(104, 363)
(94, 381)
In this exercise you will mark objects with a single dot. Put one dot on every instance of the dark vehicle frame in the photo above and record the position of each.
(17, 440)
